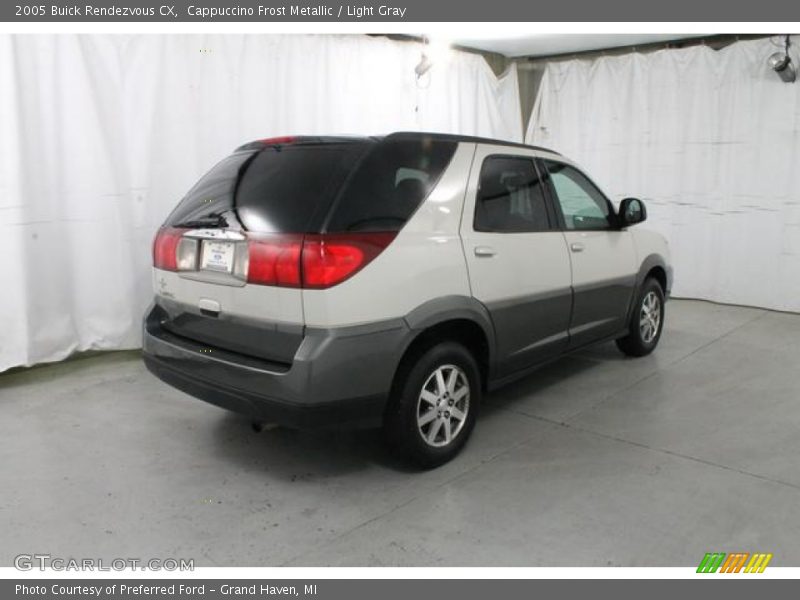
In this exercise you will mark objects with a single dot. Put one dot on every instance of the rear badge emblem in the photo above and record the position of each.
(162, 288)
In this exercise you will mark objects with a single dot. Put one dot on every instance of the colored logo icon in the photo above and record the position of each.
(736, 562)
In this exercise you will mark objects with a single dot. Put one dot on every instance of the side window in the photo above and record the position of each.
(404, 173)
(582, 204)
(389, 185)
(510, 197)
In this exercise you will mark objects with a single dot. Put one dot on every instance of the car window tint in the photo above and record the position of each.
(212, 195)
(510, 197)
(278, 189)
(389, 184)
(285, 187)
(404, 173)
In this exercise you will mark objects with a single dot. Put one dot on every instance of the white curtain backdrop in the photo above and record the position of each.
(101, 135)
(711, 141)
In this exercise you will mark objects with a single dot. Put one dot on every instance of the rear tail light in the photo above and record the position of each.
(312, 261)
(165, 248)
(277, 141)
(187, 254)
(274, 260)
(329, 259)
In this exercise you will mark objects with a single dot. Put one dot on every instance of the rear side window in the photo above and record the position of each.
(510, 197)
(389, 185)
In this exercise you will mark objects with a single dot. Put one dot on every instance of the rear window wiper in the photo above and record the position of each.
(212, 220)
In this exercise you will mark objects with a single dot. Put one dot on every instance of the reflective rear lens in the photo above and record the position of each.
(274, 259)
(165, 248)
(329, 259)
(314, 261)
(276, 141)
(187, 254)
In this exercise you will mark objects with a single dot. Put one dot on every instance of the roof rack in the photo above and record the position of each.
(468, 138)
(448, 137)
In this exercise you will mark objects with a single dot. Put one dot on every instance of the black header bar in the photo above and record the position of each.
(174, 11)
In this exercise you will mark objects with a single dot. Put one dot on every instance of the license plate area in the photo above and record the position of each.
(217, 256)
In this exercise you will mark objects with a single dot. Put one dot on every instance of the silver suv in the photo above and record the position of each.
(392, 281)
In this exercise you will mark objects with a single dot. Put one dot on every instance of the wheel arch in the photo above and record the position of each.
(456, 318)
(658, 273)
(655, 266)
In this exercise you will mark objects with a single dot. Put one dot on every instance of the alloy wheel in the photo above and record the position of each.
(650, 317)
(443, 405)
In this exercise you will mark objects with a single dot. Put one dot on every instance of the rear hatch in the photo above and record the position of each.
(278, 217)
(224, 274)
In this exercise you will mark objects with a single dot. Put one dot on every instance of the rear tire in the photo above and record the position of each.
(434, 404)
(647, 321)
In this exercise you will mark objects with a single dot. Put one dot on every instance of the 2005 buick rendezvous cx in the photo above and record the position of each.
(365, 281)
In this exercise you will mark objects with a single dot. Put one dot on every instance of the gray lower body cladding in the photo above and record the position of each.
(342, 377)
(338, 377)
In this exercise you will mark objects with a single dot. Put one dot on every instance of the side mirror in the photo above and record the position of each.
(631, 212)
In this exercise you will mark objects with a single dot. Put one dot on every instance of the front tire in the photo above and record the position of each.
(647, 321)
(434, 404)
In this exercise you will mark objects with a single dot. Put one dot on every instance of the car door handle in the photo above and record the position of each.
(484, 251)
(577, 247)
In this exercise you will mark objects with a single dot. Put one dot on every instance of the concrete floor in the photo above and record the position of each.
(596, 460)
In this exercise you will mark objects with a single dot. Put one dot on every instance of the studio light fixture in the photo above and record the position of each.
(423, 66)
(437, 51)
(781, 63)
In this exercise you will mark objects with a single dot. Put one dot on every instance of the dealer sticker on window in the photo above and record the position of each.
(217, 256)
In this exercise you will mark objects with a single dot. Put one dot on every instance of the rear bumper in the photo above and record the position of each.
(339, 378)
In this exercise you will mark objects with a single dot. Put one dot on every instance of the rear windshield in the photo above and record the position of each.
(212, 196)
(389, 185)
(280, 189)
(372, 186)
(288, 189)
